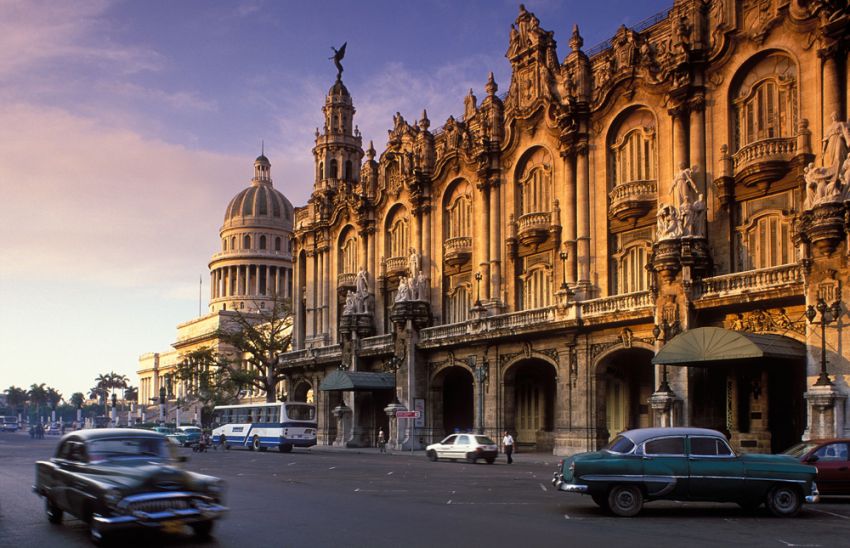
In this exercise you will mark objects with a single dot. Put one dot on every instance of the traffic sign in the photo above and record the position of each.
(407, 414)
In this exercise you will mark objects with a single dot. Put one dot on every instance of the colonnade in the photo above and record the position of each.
(245, 280)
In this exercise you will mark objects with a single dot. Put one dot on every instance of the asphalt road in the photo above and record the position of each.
(326, 497)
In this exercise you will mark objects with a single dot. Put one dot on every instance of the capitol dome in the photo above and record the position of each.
(260, 202)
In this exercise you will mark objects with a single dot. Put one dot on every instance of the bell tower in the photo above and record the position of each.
(339, 147)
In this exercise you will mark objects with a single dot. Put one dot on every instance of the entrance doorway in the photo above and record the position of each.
(457, 407)
(625, 383)
(533, 402)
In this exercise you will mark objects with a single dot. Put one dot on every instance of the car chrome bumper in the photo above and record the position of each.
(201, 512)
(815, 496)
(561, 485)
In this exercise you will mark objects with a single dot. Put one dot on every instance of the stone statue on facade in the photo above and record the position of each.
(413, 263)
(835, 145)
(683, 182)
(421, 285)
(667, 223)
(403, 292)
(350, 306)
(821, 186)
(361, 295)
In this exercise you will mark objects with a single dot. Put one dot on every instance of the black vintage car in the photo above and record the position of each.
(116, 479)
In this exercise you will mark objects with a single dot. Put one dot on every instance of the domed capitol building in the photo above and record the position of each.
(651, 231)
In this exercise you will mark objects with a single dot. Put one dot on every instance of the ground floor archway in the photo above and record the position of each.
(452, 402)
(529, 408)
(624, 380)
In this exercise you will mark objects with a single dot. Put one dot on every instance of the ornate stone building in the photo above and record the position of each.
(631, 235)
(253, 267)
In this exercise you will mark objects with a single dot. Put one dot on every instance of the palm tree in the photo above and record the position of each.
(38, 396)
(131, 393)
(77, 399)
(118, 380)
(16, 397)
(53, 397)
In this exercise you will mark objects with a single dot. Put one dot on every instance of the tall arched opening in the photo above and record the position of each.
(530, 389)
(453, 401)
(624, 382)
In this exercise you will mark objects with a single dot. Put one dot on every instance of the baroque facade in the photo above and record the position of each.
(251, 270)
(630, 236)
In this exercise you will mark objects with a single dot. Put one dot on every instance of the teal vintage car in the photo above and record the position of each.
(685, 464)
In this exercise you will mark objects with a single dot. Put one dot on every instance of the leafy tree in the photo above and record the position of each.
(38, 396)
(53, 397)
(77, 400)
(131, 393)
(208, 380)
(260, 339)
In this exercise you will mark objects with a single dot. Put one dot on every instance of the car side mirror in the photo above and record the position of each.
(812, 458)
(182, 458)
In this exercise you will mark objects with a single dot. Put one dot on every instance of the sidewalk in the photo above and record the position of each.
(519, 458)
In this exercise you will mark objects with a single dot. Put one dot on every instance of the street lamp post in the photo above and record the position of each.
(481, 373)
(564, 256)
(478, 289)
(161, 405)
(658, 332)
(828, 314)
(114, 415)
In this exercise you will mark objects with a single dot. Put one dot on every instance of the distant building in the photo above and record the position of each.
(252, 268)
(628, 237)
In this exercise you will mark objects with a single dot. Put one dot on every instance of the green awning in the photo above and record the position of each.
(705, 345)
(341, 380)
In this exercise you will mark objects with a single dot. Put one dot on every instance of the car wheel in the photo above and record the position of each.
(625, 500)
(203, 529)
(255, 443)
(54, 514)
(471, 458)
(432, 455)
(600, 500)
(285, 447)
(491, 460)
(784, 501)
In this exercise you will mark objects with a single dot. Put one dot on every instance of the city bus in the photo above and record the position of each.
(258, 426)
(9, 423)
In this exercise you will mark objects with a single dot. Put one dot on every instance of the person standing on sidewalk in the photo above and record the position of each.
(382, 441)
(508, 442)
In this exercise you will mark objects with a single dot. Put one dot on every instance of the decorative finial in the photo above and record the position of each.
(491, 86)
(337, 59)
(576, 41)
(424, 123)
(262, 147)
(371, 151)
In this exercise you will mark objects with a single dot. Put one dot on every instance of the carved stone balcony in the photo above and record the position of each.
(345, 282)
(759, 163)
(632, 200)
(458, 250)
(533, 228)
(785, 279)
(627, 302)
(396, 266)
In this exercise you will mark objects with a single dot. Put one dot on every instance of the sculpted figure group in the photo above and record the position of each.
(830, 182)
(414, 286)
(686, 216)
(357, 302)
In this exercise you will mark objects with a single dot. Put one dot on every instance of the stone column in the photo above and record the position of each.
(427, 253)
(570, 208)
(495, 240)
(239, 287)
(583, 217)
(831, 87)
(680, 138)
(483, 246)
(697, 141)
(326, 284)
(826, 413)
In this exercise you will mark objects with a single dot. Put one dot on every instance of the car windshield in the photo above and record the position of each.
(135, 447)
(620, 444)
(484, 440)
(190, 429)
(800, 449)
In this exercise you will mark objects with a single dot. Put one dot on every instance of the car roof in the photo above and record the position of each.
(640, 435)
(103, 433)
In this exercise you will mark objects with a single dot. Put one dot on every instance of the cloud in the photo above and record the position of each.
(104, 204)
(180, 100)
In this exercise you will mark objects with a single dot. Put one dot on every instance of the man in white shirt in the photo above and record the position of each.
(508, 442)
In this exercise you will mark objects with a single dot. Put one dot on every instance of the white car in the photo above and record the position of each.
(470, 447)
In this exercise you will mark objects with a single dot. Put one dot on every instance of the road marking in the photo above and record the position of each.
(450, 501)
(332, 467)
(290, 464)
(389, 473)
(542, 486)
(830, 513)
(792, 544)
(356, 490)
(566, 516)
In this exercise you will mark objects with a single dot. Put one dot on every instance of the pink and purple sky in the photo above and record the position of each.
(127, 126)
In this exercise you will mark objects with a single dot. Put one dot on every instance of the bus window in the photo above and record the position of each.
(301, 412)
(275, 414)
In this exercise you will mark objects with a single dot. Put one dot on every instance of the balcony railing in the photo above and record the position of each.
(767, 150)
(532, 228)
(295, 355)
(396, 265)
(376, 342)
(458, 250)
(514, 320)
(346, 280)
(633, 199)
(751, 280)
(326, 351)
(617, 303)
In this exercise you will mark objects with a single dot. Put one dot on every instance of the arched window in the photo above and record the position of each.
(262, 242)
(233, 243)
(224, 244)
(634, 156)
(537, 288)
(458, 304)
(321, 170)
(534, 183)
(334, 169)
(348, 254)
(246, 242)
(348, 173)
(277, 244)
(398, 238)
(765, 241)
(763, 101)
(459, 216)
(632, 275)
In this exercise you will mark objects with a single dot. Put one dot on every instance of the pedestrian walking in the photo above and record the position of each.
(382, 441)
(508, 442)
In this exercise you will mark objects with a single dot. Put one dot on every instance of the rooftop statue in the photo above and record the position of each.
(337, 58)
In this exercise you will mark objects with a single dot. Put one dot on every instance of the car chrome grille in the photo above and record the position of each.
(162, 505)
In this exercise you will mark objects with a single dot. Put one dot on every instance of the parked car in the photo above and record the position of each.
(185, 436)
(831, 458)
(470, 447)
(686, 464)
(116, 479)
